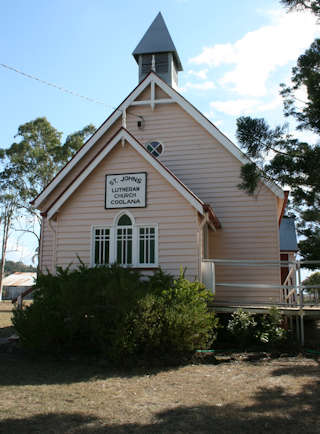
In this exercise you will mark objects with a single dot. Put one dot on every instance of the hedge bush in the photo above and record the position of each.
(116, 312)
(248, 329)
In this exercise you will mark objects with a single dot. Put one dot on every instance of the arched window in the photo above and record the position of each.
(124, 240)
(126, 243)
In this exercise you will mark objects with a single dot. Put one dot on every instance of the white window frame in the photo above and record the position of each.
(93, 241)
(135, 241)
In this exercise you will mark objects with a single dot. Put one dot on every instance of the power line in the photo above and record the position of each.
(63, 89)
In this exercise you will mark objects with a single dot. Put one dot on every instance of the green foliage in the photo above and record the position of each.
(115, 312)
(312, 5)
(257, 329)
(305, 75)
(250, 176)
(290, 162)
(310, 247)
(257, 137)
(313, 279)
(176, 320)
(242, 326)
(39, 155)
(270, 330)
(279, 156)
(29, 164)
(13, 267)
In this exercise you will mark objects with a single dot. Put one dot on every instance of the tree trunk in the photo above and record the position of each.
(7, 217)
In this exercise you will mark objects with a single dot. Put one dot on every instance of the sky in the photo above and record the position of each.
(234, 55)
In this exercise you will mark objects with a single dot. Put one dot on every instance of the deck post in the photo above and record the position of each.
(297, 328)
(301, 304)
(301, 330)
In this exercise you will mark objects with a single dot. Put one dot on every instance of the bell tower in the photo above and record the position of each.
(156, 52)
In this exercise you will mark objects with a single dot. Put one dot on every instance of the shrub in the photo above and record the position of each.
(82, 310)
(257, 329)
(270, 330)
(176, 320)
(242, 326)
(115, 312)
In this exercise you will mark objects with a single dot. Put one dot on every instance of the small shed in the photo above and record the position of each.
(16, 283)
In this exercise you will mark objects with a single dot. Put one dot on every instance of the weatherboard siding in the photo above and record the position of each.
(47, 247)
(176, 218)
(249, 224)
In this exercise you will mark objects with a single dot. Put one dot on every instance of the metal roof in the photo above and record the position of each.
(20, 279)
(157, 40)
(288, 237)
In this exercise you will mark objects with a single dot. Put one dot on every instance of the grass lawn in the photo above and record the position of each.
(233, 395)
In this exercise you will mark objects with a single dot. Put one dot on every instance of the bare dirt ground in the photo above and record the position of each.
(229, 395)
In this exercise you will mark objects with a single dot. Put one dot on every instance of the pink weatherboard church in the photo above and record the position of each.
(156, 186)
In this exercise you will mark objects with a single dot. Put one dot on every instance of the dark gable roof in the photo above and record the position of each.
(157, 39)
(288, 237)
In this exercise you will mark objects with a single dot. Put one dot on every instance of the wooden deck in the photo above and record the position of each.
(306, 310)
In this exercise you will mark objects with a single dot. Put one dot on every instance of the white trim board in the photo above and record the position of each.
(89, 144)
(152, 78)
(124, 135)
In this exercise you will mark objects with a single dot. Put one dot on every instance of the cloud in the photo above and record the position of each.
(306, 136)
(206, 85)
(202, 74)
(235, 107)
(255, 56)
(245, 106)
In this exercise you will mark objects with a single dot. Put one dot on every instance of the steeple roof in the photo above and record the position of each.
(157, 39)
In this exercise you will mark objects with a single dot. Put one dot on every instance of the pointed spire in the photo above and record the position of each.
(157, 40)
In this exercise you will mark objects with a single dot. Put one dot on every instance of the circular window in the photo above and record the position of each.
(155, 148)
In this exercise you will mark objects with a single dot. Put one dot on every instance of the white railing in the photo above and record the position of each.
(208, 274)
(291, 293)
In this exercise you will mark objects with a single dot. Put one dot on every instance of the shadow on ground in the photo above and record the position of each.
(273, 410)
(6, 332)
(20, 370)
(294, 415)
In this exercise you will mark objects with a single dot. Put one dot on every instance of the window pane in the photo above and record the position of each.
(155, 148)
(141, 251)
(101, 246)
(106, 253)
(119, 252)
(124, 246)
(96, 252)
(147, 245)
(152, 251)
(129, 252)
(124, 220)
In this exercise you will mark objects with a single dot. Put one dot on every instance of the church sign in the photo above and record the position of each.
(127, 190)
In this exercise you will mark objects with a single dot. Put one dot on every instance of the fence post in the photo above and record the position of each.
(19, 302)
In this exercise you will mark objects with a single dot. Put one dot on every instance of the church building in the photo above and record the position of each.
(157, 186)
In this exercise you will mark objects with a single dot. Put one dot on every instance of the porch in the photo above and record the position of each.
(294, 299)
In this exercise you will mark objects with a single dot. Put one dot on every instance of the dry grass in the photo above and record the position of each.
(230, 396)
(6, 328)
